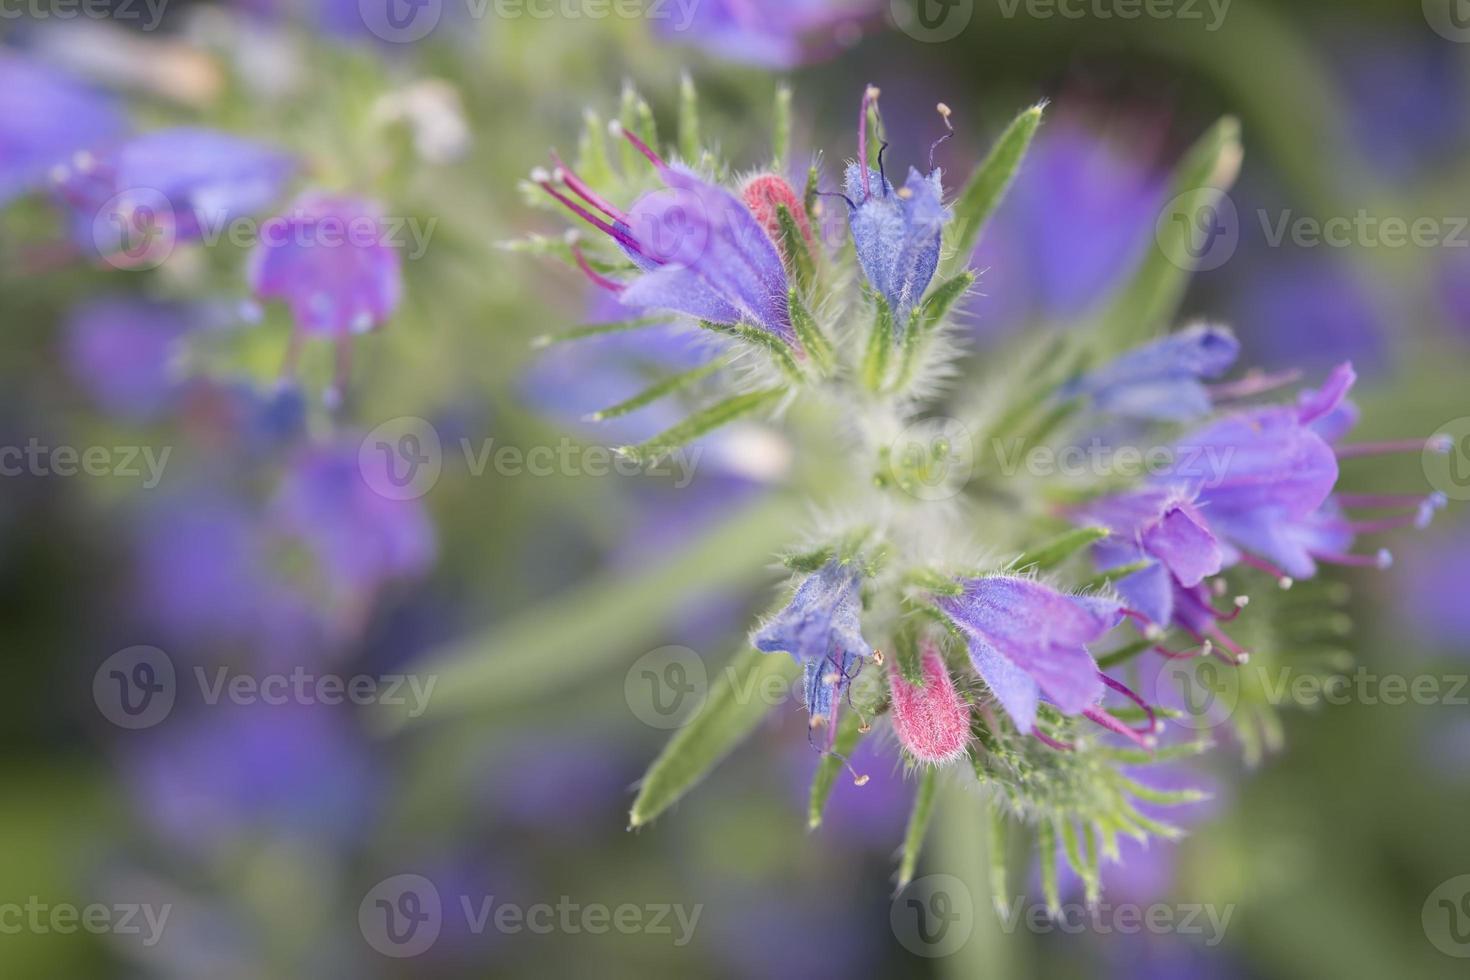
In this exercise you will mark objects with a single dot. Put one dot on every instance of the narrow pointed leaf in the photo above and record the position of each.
(880, 342)
(1152, 295)
(781, 127)
(987, 186)
(913, 838)
(701, 423)
(794, 246)
(812, 339)
(849, 731)
(910, 662)
(597, 330)
(1046, 845)
(654, 392)
(731, 712)
(688, 119)
(1050, 554)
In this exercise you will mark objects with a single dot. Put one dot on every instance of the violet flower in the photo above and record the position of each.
(123, 351)
(1163, 526)
(896, 232)
(183, 183)
(769, 33)
(46, 119)
(1029, 642)
(1161, 379)
(701, 250)
(820, 629)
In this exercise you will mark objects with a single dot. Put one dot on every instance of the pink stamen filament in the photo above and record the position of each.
(1359, 449)
(582, 190)
(1127, 692)
(1202, 651)
(597, 278)
(1238, 655)
(1143, 740)
(1254, 383)
(1262, 565)
(1050, 742)
(643, 148)
(610, 230)
(1381, 560)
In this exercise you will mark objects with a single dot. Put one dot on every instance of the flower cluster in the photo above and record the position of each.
(1017, 663)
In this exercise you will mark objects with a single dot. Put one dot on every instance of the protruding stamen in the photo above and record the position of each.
(618, 132)
(1434, 444)
(1383, 559)
(882, 174)
(1261, 564)
(1153, 720)
(1255, 382)
(598, 279)
(1050, 742)
(1105, 720)
(1204, 651)
(1237, 656)
(870, 98)
(944, 113)
(541, 178)
(1151, 629)
(566, 175)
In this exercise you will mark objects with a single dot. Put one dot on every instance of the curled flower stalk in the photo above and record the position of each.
(1011, 658)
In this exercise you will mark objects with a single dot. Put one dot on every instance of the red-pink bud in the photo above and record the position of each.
(933, 721)
(763, 194)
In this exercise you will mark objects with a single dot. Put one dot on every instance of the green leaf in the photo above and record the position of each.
(908, 654)
(988, 185)
(592, 161)
(793, 246)
(537, 653)
(779, 350)
(1046, 845)
(730, 713)
(849, 731)
(688, 119)
(597, 330)
(701, 423)
(781, 127)
(1050, 554)
(1124, 654)
(1152, 295)
(880, 342)
(809, 194)
(1111, 575)
(812, 339)
(654, 392)
(944, 296)
(913, 838)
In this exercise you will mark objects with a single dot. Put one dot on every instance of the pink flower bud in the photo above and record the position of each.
(933, 721)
